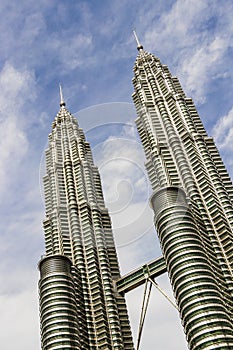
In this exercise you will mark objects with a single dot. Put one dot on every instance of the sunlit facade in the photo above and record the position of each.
(192, 202)
(79, 306)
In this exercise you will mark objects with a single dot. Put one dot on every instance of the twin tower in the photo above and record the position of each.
(81, 306)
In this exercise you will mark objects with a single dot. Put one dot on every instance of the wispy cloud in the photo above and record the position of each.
(223, 134)
(69, 48)
(16, 88)
(196, 39)
(121, 163)
(19, 321)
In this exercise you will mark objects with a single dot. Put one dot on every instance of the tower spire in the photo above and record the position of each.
(62, 102)
(139, 45)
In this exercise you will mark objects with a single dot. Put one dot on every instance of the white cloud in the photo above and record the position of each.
(176, 28)
(34, 25)
(195, 38)
(69, 49)
(223, 132)
(126, 188)
(19, 318)
(14, 86)
(198, 70)
(14, 145)
(17, 86)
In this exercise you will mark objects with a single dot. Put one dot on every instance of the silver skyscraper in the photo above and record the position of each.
(79, 307)
(192, 202)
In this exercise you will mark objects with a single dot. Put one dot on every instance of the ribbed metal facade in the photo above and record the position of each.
(60, 322)
(192, 201)
(80, 309)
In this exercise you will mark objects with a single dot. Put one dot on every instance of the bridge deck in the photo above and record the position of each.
(137, 277)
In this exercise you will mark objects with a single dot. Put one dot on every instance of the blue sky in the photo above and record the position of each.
(88, 46)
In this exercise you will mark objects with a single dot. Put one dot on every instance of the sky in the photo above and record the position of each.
(88, 47)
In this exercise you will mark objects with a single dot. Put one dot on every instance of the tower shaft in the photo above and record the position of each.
(80, 308)
(192, 202)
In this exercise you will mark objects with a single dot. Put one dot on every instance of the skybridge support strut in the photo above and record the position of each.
(144, 275)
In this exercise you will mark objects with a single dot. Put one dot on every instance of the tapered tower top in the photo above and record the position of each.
(62, 102)
(139, 45)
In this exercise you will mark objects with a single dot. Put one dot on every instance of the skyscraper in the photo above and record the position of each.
(79, 306)
(192, 203)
